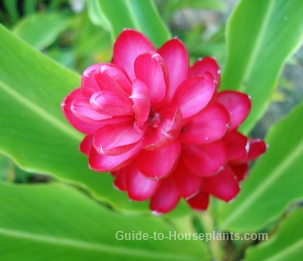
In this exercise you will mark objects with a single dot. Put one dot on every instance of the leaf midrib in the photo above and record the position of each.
(257, 45)
(40, 112)
(116, 250)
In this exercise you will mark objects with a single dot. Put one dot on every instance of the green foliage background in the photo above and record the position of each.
(53, 208)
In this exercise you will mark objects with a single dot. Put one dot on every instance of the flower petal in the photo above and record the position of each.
(151, 69)
(159, 164)
(199, 202)
(222, 186)
(111, 103)
(86, 144)
(256, 147)
(207, 64)
(111, 77)
(240, 170)
(139, 187)
(116, 139)
(236, 144)
(207, 126)
(237, 104)
(160, 136)
(88, 82)
(176, 57)
(120, 179)
(205, 160)
(82, 109)
(80, 125)
(128, 46)
(165, 198)
(194, 94)
(103, 163)
(141, 99)
(186, 181)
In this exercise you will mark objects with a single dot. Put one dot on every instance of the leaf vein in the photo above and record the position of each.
(40, 111)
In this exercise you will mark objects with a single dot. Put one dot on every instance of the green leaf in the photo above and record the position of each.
(64, 57)
(91, 44)
(55, 222)
(114, 16)
(261, 36)
(274, 182)
(96, 15)
(11, 9)
(287, 244)
(41, 30)
(33, 130)
(29, 6)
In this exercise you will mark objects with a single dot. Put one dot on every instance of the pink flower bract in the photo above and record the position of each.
(160, 126)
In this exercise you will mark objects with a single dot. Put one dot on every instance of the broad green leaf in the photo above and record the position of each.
(287, 244)
(33, 130)
(114, 16)
(261, 36)
(41, 30)
(274, 182)
(55, 222)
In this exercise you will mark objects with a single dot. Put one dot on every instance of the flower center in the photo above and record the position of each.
(154, 119)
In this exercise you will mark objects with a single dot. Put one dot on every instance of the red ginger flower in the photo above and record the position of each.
(160, 127)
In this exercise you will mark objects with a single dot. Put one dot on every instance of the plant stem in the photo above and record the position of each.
(214, 244)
